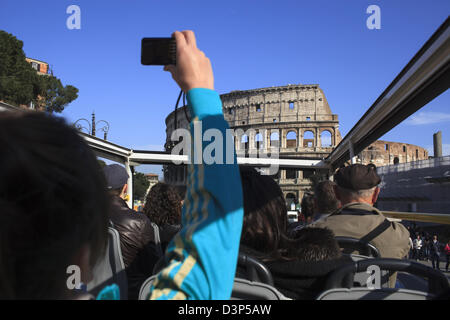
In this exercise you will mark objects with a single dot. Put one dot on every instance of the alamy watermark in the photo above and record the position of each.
(374, 20)
(222, 149)
(374, 279)
(74, 20)
(74, 279)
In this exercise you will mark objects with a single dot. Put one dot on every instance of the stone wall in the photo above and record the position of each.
(382, 153)
(296, 121)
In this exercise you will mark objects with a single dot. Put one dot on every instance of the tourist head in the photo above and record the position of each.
(53, 206)
(325, 197)
(265, 212)
(308, 207)
(116, 179)
(163, 204)
(357, 183)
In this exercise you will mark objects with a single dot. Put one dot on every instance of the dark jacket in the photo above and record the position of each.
(435, 248)
(166, 234)
(137, 242)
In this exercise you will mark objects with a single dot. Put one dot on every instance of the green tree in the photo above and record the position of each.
(140, 186)
(55, 96)
(20, 84)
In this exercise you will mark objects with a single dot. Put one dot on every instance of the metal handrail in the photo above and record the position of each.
(421, 217)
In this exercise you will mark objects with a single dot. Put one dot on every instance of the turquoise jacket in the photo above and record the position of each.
(202, 257)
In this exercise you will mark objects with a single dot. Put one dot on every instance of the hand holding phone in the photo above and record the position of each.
(193, 68)
(158, 51)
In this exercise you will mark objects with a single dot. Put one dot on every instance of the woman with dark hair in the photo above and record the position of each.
(308, 209)
(163, 207)
(265, 214)
(298, 265)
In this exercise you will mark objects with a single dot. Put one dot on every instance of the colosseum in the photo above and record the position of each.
(298, 122)
(382, 153)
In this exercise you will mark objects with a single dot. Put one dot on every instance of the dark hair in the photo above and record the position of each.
(181, 191)
(308, 205)
(265, 214)
(163, 205)
(53, 201)
(315, 244)
(326, 197)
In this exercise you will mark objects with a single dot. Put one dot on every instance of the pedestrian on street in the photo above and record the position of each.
(417, 246)
(447, 254)
(435, 252)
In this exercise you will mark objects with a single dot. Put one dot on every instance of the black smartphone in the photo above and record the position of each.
(158, 51)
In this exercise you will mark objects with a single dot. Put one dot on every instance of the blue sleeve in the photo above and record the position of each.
(203, 255)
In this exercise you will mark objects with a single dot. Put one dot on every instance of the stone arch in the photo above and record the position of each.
(326, 138)
(259, 141)
(244, 142)
(308, 139)
(291, 139)
(290, 198)
(396, 160)
(275, 139)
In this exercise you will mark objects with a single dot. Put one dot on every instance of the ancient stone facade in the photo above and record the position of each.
(294, 121)
(383, 153)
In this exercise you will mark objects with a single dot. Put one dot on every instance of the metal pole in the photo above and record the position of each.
(352, 152)
(93, 124)
(130, 184)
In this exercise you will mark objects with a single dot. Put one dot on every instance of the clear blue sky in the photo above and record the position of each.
(252, 44)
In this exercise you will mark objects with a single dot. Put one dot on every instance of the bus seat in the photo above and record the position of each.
(157, 238)
(351, 245)
(111, 268)
(360, 278)
(254, 270)
(337, 285)
(374, 294)
(242, 290)
(144, 292)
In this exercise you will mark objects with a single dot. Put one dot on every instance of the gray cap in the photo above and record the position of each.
(116, 176)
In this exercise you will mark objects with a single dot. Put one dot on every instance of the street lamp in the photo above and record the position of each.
(80, 127)
(105, 128)
(92, 127)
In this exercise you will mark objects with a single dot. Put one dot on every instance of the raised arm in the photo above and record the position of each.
(203, 256)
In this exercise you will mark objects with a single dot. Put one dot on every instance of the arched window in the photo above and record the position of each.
(244, 142)
(258, 141)
(290, 198)
(291, 139)
(325, 139)
(396, 160)
(275, 139)
(308, 139)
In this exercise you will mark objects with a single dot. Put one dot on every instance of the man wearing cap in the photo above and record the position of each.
(137, 236)
(357, 190)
